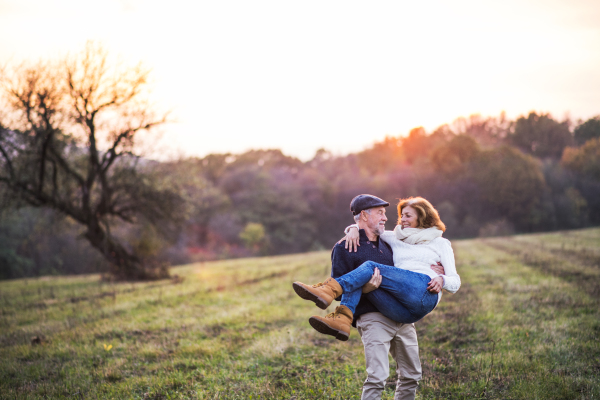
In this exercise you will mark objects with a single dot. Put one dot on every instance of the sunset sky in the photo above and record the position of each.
(301, 75)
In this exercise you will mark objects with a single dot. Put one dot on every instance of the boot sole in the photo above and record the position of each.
(325, 329)
(306, 295)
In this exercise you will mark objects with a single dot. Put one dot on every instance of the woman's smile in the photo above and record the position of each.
(410, 218)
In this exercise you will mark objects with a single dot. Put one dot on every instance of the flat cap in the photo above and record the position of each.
(365, 201)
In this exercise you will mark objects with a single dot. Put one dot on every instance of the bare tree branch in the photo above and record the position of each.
(62, 116)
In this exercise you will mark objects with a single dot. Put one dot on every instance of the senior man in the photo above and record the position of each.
(379, 334)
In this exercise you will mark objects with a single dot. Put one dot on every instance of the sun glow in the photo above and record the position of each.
(339, 75)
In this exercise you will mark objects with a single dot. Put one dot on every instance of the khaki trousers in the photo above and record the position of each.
(381, 335)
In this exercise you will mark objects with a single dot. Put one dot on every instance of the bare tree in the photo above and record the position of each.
(67, 137)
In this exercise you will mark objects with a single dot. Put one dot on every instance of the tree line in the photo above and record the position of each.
(77, 197)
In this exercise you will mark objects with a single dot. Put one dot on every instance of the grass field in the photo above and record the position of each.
(524, 325)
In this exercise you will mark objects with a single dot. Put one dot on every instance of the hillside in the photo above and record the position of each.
(525, 324)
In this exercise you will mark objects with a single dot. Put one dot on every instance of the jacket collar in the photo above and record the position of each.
(363, 237)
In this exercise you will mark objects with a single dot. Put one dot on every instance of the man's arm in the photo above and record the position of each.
(435, 285)
(438, 269)
(373, 283)
(342, 261)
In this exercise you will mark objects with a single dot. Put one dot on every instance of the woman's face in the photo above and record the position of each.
(410, 218)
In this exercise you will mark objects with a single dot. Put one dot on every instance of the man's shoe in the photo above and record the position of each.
(336, 324)
(322, 294)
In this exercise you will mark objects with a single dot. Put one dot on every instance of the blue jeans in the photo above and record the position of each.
(402, 295)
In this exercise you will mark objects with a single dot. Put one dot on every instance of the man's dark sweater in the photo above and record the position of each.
(342, 262)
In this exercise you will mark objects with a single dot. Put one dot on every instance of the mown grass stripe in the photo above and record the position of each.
(573, 266)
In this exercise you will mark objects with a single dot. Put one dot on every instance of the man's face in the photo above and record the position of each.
(376, 220)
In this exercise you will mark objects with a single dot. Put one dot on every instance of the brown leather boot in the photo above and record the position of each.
(322, 293)
(336, 324)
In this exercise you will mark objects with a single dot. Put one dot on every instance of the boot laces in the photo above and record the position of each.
(318, 285)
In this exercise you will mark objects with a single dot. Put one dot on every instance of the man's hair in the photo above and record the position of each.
(427, 216)
(357, 216)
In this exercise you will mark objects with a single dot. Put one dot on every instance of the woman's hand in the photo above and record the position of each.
(435, 285)
(373, 283)
(352, 239)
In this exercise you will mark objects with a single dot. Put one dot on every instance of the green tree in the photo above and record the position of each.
(253, 236)
(278, 199)
(584, 160)
(588, 130)
(511, 183)
(541, 136)
(13, 264)
(452, 158)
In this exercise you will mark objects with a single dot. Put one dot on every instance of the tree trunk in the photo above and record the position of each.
(124, 266)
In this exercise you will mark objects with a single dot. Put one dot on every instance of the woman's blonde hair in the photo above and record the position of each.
(427, 216)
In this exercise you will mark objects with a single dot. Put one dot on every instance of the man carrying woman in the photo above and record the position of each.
(409, 290)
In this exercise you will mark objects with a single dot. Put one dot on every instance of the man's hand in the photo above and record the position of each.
(438, 269)
(373, 283)
(435, 285)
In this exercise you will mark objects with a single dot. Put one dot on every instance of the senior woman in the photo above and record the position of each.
(404, 293)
